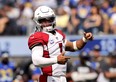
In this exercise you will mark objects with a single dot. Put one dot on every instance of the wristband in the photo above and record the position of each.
(75, 45)
(84, 39)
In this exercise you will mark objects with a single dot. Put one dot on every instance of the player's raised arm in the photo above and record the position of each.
(79, 44)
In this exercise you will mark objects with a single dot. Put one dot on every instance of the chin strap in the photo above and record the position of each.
(36, 29)
(53, 32)
(47, 29)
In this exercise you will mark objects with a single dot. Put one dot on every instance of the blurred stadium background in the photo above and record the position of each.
(73, 17)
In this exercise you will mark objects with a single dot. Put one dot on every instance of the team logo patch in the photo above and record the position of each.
(51, 41)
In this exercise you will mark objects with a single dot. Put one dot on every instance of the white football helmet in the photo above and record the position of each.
(44, 13)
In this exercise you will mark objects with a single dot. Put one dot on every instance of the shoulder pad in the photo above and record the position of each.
(37, 38)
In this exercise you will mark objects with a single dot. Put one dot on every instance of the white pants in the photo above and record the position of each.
(52, 79)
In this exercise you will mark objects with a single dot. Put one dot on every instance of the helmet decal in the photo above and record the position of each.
(44, 11)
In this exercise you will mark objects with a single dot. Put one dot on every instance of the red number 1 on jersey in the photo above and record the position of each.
(60, 46)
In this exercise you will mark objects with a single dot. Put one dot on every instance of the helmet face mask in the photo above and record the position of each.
(44, 18)
(50, 19)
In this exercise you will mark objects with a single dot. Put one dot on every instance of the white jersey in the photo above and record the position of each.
(53, 46)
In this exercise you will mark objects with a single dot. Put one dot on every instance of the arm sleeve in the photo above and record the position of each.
(39, 60)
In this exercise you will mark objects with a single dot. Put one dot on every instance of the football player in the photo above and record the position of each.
(48, 46)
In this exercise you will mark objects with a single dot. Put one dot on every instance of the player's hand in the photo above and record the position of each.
(88, 36)
(62, 59)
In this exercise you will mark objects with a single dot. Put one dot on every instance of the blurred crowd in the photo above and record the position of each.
(72, 16)
(88, 66)
(13, 71)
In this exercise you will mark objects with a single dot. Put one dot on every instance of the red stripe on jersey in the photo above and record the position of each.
(59, 31)
(43, 78)
(60, 46)
(48, 69)
(36, 41)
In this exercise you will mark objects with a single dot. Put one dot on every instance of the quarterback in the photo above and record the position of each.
(48, 46)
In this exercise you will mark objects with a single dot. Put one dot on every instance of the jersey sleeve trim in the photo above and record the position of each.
(35, 43)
